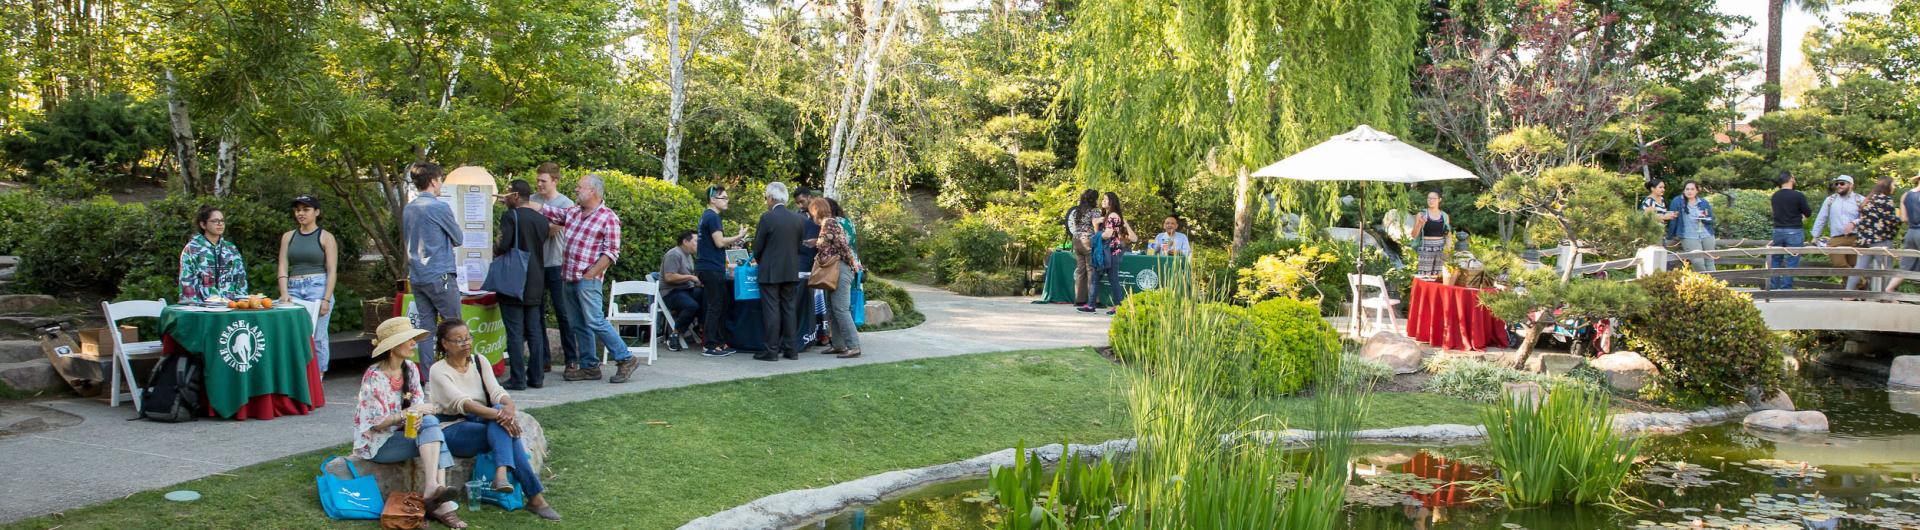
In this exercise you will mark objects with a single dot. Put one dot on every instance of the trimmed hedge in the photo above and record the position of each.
(1718, 351)
(1295, 335)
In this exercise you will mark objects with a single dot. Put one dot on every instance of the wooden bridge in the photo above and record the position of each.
(1815, 302)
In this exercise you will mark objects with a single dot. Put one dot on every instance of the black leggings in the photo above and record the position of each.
(713, 309)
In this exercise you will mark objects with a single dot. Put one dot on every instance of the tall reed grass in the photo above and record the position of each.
(1561, 449)
(1194, 467)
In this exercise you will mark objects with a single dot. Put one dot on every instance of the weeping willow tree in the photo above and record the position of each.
(1165, 85)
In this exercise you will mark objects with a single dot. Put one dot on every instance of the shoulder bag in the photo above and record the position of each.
(825, 277)
(405, 510)
(507, 275)
(354, 498)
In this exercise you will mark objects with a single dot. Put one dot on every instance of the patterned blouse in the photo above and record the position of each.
(1878, 222)
(379, 398)
(834, 245)
(208, 270)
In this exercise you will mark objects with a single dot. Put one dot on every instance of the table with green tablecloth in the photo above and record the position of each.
(255, 364)
(1138, 272)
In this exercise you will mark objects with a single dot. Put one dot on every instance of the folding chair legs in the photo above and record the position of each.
(133, 389)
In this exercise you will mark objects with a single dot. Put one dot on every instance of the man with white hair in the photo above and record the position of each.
(592, 233)
(777, 243)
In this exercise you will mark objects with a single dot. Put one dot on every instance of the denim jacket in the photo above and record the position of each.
(1679, 204)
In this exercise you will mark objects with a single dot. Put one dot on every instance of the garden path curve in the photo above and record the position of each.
(106, 457)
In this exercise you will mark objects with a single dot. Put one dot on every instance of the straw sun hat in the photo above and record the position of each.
(393, 332)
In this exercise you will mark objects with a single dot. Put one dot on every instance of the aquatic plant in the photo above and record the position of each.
(1560, 449)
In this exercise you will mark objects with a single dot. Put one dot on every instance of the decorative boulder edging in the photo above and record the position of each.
(797, 508)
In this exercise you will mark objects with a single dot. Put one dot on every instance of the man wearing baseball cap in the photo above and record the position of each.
(1841, 211)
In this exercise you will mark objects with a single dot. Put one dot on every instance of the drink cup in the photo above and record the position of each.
(413, 424)
(474, 487)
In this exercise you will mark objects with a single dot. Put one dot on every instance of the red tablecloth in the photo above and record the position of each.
(268, 406)
(1451, 317)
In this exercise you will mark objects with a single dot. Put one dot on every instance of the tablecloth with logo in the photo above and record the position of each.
(255, 364)
(1138, 272)
(1451, 317)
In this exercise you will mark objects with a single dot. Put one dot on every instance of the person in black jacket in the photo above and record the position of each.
(522, 227)
(777, 243)
(806, 324)
(1790, 213)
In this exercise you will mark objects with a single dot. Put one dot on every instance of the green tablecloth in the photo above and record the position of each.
(246, 353)
(1138, 272)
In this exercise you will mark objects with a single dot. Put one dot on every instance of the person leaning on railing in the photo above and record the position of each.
(1877, 227)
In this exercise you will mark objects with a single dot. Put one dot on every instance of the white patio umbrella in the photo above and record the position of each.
(1364, 154)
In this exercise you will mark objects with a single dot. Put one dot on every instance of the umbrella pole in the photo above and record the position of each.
(1359, 261)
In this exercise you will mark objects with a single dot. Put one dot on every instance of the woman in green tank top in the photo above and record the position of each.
(308, 259)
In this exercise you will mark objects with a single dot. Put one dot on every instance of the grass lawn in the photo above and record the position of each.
(725, 444)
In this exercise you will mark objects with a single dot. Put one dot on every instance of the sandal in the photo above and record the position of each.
(850, 354)
(449, 517)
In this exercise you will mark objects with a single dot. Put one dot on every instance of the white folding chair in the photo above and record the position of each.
(626, 318)
(1379, 306)
(313, 314)
(660, 306)
(123, 353)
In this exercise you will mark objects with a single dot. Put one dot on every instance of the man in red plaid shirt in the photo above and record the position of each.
(592, 233)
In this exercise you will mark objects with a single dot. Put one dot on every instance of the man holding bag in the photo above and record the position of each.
(522, 228)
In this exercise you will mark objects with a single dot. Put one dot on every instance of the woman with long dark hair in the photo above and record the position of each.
(309, 258)
(1879, 225)
(1694, 224)
(210, 266)
(1115, 236)
(1079, 220)
(1433, 227)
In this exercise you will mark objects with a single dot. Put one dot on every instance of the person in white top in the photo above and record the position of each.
(1840, 212)
(1171, 242)
(477, 416)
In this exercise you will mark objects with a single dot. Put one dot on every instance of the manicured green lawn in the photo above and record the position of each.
(725, 444)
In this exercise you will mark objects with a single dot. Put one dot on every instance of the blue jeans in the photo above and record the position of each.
(1786, 237)
(467, 439)
(525, 325)
(399, 449)
(592, 324)
(1110, 277)
(562, 316)
(685, 306)
(434, 301)
(310, 288)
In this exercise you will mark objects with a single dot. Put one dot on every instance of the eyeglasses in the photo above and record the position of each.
(464, 340)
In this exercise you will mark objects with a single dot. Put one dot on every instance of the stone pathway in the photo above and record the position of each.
(105, 457)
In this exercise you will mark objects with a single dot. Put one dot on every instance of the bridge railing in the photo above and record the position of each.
(1652, 259)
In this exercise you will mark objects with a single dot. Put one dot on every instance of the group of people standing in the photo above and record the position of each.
(798, 235)
(1846, 218)
(1100, 236)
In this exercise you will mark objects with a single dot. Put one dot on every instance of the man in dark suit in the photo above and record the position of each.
(776, 246)
(806, 326)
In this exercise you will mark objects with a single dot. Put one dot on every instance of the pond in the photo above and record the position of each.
(1864, 474)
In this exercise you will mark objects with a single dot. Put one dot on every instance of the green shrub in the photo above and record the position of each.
(1294, 336)
(134, 250)
(68, 181)
(972, 244)
(1477, 380)
(887, 236)
(1559, 450)
(1750, 217)
(1035, 233)
(1135, 325)
(22, 215)
(975, 283)
(84, 245)
(1720, 350)
(651, 212)
(1364, 372)
(905, 315)
(105, 134)
(1290, 274)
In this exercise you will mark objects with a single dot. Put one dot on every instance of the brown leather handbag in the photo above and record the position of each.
(404, 511)
(825, 277)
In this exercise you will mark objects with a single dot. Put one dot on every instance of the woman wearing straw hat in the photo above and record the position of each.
(391, 397)
(481, 416)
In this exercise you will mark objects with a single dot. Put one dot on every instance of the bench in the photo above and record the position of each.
(405, 476)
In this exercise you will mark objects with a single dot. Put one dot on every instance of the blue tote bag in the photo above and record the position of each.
(859, 302)
(354, 498)
(483, 467)
(508, 273)
(746, 282)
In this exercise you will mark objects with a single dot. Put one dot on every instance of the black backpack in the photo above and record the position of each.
(173, 390)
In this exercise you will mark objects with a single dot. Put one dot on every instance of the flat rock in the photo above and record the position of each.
(13, 351)
(1779, 401)
(36, 375)
(1626, 371)
(20, 303)
(1787, 421)
(1399, 351)
(879, 312)
(1905, 371)
(1904, 401)
(1554, 363)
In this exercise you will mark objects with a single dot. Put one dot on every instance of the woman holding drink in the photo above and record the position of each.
(393, 422)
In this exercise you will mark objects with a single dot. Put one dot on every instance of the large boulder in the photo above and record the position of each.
(1779, 401)
(1805, 421)
(1399, 351)
(1905, 371)
(1626, 371)
(1554, 363)
(879, 312)
(1904, 401)
(405, 476)
(31, 376)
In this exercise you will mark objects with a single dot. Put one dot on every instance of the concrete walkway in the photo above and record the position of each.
(106, 457)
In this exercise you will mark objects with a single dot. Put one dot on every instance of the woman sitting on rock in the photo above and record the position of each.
(389, 391)
(480, 416)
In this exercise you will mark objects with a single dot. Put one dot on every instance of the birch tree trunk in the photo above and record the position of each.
(185, 151)
(677, 95)
(842, 118)
(866, 96)
(228, 162)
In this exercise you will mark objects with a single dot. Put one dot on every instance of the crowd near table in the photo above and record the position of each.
(1138, 272)
(256, 364)
(1451, 317)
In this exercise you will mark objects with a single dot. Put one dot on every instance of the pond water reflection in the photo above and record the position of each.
(1865, 473)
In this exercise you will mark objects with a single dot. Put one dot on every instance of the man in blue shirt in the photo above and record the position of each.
(432, 233)
(711, 267)
(1171, 242)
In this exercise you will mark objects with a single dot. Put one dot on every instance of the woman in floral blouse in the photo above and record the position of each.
(833, 246)
(388, 392)
(210, 266)
(1878, 227)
